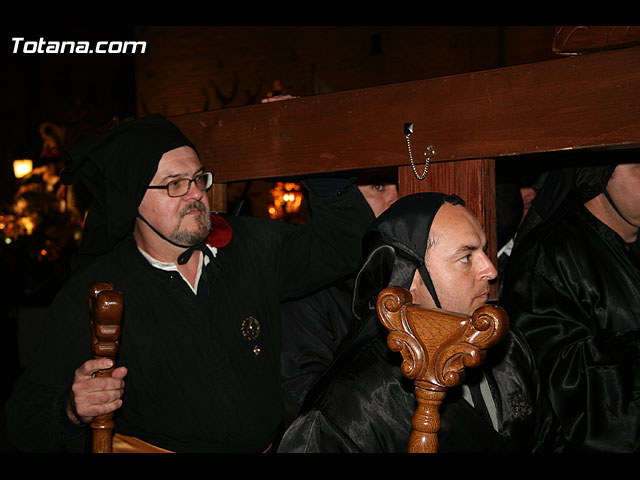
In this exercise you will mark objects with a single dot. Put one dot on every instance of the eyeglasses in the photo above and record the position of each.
(179, 188)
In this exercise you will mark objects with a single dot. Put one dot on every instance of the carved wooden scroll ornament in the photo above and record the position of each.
(436, 346)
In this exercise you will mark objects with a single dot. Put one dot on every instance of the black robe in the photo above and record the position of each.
(203, 375)
(573, 288)
(312, 329)
(364, 404)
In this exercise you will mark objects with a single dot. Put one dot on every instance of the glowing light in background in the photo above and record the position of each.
(22, 167)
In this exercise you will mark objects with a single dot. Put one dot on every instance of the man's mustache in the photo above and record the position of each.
(195, 205)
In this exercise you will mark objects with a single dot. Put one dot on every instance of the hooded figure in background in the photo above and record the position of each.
(572, 287)
(314, 326)
(364, 403)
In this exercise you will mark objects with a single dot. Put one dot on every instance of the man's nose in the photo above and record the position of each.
(194, 192)
(488, 270)
(393, 196)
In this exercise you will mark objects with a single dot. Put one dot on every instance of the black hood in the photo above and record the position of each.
(116, 167)
(563, 189)
(394, 247)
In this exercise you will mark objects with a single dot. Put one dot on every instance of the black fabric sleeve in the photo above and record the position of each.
(328, 248)
(36, 411)
(581, 324)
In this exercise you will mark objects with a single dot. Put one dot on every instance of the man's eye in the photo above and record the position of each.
(466, 258)
(175, 183)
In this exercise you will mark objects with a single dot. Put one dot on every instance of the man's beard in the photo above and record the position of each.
(193, 237)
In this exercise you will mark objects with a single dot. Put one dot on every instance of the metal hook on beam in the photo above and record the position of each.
(429, 152)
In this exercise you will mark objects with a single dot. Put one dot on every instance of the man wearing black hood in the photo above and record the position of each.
(314, 326)
(432, 245)
(200, 330)
(573, 288)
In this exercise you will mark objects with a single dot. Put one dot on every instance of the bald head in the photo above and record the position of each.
(457, 262)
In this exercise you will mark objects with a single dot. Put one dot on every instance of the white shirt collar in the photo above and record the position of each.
(172, 267)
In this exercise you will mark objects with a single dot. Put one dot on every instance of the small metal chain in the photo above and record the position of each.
(426, 166)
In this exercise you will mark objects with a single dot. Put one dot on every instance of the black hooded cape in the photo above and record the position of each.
(365, 404)
(572, 287)
(309, 347)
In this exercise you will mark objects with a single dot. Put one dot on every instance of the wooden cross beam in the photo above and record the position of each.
(469, 120)
(577, 102)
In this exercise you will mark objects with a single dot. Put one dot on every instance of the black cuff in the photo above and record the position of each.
(69, 428)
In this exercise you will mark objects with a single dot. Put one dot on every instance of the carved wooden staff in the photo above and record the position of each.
(436, 346)
(105, 305)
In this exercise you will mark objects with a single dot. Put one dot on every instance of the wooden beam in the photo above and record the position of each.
(583, 102)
